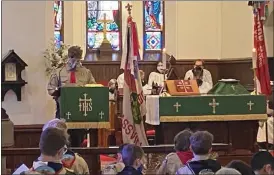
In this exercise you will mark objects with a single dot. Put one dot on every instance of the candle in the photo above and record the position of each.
(254, 58)
(164, 58)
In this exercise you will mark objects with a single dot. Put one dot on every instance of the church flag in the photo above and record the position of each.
(262, 70)
(134, 107)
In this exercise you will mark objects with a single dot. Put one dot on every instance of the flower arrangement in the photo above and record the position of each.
(55, 57)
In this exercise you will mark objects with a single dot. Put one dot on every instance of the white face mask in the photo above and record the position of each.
(160, 68)
(72, 63)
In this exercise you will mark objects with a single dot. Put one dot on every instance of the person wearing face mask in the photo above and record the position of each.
(157, 76)
(70, 159)
(71, 74)
(261, 136)
(262, 163)
(49, 161)
(201, 75)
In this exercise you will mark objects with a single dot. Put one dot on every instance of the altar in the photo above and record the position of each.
(232, 119)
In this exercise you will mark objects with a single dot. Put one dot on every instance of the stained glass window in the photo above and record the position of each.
(153, 25)
(58, 22)
(103, 16)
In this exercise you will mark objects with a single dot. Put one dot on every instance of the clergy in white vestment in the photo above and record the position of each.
(261, 136)
(120, 81)
(157, 76)
(203, 76)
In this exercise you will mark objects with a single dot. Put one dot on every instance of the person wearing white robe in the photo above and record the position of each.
(261, 136)
(206, 77)
(157, 76)
(120, 81)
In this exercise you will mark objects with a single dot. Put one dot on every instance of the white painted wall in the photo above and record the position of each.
(26, 28)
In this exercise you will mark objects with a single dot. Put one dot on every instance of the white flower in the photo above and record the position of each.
(55, 57)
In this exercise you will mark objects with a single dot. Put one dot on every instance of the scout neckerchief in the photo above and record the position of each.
(68, 159)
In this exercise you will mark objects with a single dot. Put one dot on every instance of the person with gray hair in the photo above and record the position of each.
(175, 160)
(201, 146)
(227, 171)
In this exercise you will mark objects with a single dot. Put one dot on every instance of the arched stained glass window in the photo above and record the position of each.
(103, 16)
(153, 25)
(58, 7)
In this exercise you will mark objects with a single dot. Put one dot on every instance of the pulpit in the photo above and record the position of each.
(85, 108)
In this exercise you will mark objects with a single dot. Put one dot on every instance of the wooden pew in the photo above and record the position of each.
(16, 156)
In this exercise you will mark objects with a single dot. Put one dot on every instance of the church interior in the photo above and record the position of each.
(138, 73)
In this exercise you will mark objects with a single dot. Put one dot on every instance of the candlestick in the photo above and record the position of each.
(164, 58)
(254, 58)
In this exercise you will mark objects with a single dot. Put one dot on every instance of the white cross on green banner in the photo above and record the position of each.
(85, 107)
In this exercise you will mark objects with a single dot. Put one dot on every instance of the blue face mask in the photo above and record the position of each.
(72, 63)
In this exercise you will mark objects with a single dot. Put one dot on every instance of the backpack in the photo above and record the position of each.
(203, 167)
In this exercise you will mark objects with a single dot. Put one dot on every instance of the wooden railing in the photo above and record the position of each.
(17, 156)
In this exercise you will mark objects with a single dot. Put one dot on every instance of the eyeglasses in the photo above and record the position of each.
(65, 148)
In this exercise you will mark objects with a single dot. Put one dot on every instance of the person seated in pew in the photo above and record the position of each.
(176, 160)
(113, 169)
(70, 159)
(262, 163)
(261, 136)
(157, 76)
(227, 171)
(133, 158)
(52, 145)
(241, 166)
(201, 146)
(201, 75)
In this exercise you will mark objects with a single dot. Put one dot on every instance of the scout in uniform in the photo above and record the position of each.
(49, 161)
(70, 159)
(71, 74)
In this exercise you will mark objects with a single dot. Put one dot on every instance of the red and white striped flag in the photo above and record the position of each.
(262, 70)
(134, 107)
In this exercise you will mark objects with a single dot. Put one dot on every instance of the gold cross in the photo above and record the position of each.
(213, 104)
(105, 21)
(250, 104)
(128, 7)
(177, 105)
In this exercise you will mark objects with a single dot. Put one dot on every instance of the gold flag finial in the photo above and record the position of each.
(128, 7)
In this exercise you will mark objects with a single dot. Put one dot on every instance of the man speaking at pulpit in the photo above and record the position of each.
(70, 75)
(203, 76)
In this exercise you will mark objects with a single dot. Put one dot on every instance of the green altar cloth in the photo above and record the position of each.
(212, 108)
(85, 107)
(228, 87)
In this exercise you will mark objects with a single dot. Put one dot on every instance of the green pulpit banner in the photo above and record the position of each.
(212, 108)
(85, 107)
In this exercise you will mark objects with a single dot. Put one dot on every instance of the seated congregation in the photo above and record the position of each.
(192, 155)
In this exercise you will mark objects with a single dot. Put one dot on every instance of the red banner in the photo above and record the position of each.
(262, 71)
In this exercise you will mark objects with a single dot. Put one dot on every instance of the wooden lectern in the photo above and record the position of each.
(182, 87)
